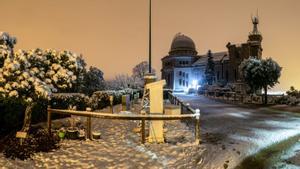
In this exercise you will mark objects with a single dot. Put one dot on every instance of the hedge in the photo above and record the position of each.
(12, 110)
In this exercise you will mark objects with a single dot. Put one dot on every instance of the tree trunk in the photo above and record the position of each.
(266, 95)
(27, 117)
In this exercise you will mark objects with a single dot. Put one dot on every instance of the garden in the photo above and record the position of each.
(32, 80)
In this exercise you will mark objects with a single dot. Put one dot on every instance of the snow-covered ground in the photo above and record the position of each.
(239, 132)
(228, 134)
(119, 147)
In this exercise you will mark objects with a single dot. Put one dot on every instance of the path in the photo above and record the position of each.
(230, 133)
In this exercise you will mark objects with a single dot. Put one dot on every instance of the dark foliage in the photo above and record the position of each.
(14, 149)
(93, 81)
(64, 101)
(12, 113)
(293, 92)
(45, 142)
(210, 69)
(39, 141)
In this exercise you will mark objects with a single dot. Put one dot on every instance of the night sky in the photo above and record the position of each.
(113, 34)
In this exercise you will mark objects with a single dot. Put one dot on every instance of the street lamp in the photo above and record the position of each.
(150, 77)
(150, 31)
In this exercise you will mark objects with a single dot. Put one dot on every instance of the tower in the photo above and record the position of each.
(254, 39)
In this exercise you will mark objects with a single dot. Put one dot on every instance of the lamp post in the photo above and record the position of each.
(150, 35)
(150, 77)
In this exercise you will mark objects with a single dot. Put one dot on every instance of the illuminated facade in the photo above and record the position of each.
(183, 68)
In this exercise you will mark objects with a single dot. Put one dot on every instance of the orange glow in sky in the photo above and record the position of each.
(113, 34)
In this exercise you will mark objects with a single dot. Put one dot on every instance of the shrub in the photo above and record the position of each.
(23, 151)
(12, 113)
(38, 141)
(288, 100)
(45, 142)
(67, 100)
(293, 92)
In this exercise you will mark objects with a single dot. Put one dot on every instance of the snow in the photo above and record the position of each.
(36, 73)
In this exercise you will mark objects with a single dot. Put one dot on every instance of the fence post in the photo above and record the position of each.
(197, 127)
(89, 125)
(181, 107)
(111, 100)
(49, 119)
(143, 131)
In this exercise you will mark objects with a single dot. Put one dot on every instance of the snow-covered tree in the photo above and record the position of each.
(33, 75)
(139, 71)
(93, 80)
(121, 82)
(210, 69)
(7, 40)
(293, 92)
(260, 74)
(78, 86)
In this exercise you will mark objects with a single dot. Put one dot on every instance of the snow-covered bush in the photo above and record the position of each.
(69, 100)
(34, 74)
(100, 99)
(288, 100)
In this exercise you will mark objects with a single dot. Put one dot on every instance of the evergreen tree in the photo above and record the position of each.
(210, 69)
(93, 81)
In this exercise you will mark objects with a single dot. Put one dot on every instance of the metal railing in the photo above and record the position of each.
(141, 117)
(176, 101)
(233, 97)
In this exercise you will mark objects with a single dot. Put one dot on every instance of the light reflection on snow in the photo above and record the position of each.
(242, 115)
(262, 138)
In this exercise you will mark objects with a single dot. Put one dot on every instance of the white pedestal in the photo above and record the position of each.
(156, 134)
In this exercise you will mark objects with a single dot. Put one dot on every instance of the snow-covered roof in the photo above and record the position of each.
(218, 56)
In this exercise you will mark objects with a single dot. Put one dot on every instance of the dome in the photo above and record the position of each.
(182, 44)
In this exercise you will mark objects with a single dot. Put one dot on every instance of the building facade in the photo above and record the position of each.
(183, 68)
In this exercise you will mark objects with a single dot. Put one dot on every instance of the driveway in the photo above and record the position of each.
(231, 132)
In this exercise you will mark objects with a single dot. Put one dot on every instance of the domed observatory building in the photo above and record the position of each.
(177, 67)
(183, 68)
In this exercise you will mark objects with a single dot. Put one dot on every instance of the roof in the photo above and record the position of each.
(218, 56)
(182, 44)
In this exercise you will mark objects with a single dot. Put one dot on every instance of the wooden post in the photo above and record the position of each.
(197, 127)
(89, 125)
(49, 119)
(181, 107)
(124, 103)
(143, 132)
(111, 100)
